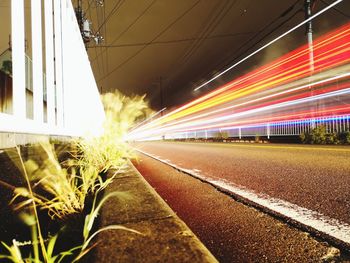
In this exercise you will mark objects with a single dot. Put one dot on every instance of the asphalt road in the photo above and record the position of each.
(233, 232)
(313, 177)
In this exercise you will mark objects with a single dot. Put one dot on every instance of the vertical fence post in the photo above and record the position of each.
(49, 47)
(18, 58)
(58, 61)
(337, 120)
(38, 103)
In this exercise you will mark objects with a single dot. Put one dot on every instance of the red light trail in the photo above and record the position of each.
(286, 89)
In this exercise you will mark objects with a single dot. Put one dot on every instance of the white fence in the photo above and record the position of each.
(335, 124)
(71, 105)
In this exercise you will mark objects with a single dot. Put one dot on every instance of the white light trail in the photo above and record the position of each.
(269, 43)
(203, 124)
(150, 117)
(259, 99)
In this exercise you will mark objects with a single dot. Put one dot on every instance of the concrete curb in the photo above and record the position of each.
(13, 139)
(165, 237)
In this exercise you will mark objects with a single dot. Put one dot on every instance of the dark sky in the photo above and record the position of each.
(176, 45)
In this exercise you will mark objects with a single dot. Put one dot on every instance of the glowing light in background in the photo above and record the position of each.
(286, 90)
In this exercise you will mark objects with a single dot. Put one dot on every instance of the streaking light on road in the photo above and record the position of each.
(284, 90)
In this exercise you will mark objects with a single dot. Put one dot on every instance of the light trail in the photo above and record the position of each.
(270, 43)
(147, 119)
(203, 124)
(285, 89)
(289, 90)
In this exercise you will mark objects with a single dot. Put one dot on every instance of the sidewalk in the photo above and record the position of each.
(165, 237)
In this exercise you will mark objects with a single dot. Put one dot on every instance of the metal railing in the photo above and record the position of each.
(334, 124)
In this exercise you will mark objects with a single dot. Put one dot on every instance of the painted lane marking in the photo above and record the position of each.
(334, 229)
(262, 146)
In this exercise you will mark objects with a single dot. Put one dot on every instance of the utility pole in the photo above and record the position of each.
(85, 24)
(79, 14)
(10, 43)
(308, 13)
(161, 94)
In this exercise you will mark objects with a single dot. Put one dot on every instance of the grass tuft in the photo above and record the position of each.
(61, 189)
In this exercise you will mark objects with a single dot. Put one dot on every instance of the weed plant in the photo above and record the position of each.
(221, 135)
(110, 150)
(67, 197)
(44, 251)
(62, 191)
(67, 188)
(319, 135)
(54, 188)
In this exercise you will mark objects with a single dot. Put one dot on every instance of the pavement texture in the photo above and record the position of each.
(163, 236)
(233, 232)
(314, 177)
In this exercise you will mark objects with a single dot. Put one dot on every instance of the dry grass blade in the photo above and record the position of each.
(63, 196)
(15, 254)
(61, 191)
(112, 227)
(110, 150)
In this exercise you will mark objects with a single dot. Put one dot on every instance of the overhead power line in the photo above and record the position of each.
(114, 9)
(245, 44)
(155, 38)
(173, 41)
(212, 22)
(336, 9)
(127, 28)
(210, 28)
(268, 44)
(88, 7)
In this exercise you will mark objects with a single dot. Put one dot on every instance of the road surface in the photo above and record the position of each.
(312, 177)
(233, 232)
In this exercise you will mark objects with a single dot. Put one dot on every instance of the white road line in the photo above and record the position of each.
(336, 229)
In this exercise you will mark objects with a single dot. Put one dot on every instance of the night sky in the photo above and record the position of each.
(166, 48)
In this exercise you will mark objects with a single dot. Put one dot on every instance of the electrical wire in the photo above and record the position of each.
(336, 9)
(238, 50)
(105, 38)
(156, 37)
(100, 67)
(213, 14)
(245, 43)
(215, 23)
(127, 28)
(269, 43)
(173, 41)
(114, 9)
(88, 7)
